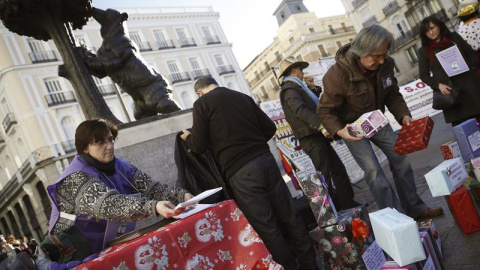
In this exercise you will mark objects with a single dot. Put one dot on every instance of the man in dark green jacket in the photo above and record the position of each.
(299, 104)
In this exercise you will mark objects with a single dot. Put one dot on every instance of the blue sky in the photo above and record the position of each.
(240, 19)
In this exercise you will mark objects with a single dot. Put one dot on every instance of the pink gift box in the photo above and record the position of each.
(369, 124)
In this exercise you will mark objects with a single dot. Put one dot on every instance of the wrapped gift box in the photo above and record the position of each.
(430, 225)
(369, 124)
(390, 265)
(414, 137)
(446, 177)
(476, 167)
(340, 246)
(474, 189)
(397, 234)
(431, 249)
(463, 210)
(315, 188)
(468, 138)
(450, 150)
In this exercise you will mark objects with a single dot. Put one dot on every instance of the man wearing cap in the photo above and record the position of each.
(237, 131)
(299, 104)
(362, 80)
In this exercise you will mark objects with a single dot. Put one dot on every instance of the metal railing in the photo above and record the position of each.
(144, 46)
(390, 8)
(68, 146)
(180, 77)
(59, 98)
(212, 40)
(225, 69)
(106, 89)
(403, 39)
(187, 42)
(165, 44)
(356, 3)
(8, 122)
(43, 56)
(197, 73)
(342, 30)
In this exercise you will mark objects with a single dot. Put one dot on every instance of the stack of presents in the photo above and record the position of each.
(388, 239)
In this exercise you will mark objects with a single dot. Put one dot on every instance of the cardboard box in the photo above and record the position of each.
(315, 188)
(414, 137)
(446, 177)
(397, 234)
(369, 124)
(450, 150)
(463, 210)
(468, 137)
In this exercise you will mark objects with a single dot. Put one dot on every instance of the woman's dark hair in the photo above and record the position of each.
(424, 29)
(93, 130)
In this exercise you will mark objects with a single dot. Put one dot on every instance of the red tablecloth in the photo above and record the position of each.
(219, 237)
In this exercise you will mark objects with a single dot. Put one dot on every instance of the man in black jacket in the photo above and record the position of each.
(237, 132)
(299, 104)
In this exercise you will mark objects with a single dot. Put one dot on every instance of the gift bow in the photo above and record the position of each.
(360, 229)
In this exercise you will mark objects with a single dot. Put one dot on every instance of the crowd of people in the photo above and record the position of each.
(98, 191)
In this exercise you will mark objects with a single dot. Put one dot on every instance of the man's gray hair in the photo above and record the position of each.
(203, 82)
(370, 39)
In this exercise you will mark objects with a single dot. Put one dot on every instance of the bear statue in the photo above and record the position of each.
(119, 58)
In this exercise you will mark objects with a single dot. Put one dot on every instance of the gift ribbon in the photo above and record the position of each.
(360, 231)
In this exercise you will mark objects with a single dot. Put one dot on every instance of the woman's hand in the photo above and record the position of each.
(167, 209)
(187, 197)
(445, 89)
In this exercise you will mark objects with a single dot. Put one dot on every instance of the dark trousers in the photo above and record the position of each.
(264, 198)
(326, 160)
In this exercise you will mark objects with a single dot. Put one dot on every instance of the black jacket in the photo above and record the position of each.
(198, 172)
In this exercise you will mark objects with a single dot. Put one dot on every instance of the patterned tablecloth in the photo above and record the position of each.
(219, 237)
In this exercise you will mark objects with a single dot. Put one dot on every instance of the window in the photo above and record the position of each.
(135, 37)
(36, 45)
(311, 30)
(219, 60)
(339, 44)
(412, 54)
(172, 66)
(299, 57)
(56, 94)
(159, 36)
(291, 40)
(365, 14)
(194, 63)
(40, 51)
(323, 52)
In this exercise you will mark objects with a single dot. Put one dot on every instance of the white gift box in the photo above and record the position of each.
(446, 177)
(397, 234)
(369, 124)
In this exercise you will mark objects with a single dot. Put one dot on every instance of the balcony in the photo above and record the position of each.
(212, 40)
(144, 46)
(8, 122)
(68, 146)
(179, 77)
(356, 3)
(197, 73)
(43, 56)
(390, 8)
(59, 98)
(165, 44)
(225, 69)
(187, 42)
(106, 89)
(337, 31)
(370, 21)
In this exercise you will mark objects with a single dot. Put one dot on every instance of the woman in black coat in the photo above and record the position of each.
(436, 38)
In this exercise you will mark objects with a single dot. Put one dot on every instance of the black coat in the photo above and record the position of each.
(468, 82)
(198, 172)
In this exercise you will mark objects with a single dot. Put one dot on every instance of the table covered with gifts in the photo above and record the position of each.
(218, 237)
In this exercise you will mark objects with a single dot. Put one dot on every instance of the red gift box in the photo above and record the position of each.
(463, 210)
(414, 137)
(450, 150)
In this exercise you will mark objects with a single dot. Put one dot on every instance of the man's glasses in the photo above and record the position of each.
(104, 142)
(380, 56)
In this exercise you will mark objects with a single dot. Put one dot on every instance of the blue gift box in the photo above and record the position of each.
(468, 138)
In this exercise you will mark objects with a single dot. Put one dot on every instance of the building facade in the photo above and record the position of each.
(39, 110)
(402, 18)
(301, 35)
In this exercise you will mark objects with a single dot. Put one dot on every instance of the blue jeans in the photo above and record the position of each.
(264, 198)
(408, 201)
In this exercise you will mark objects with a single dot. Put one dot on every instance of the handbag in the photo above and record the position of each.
(442, 102)
(69, 245)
